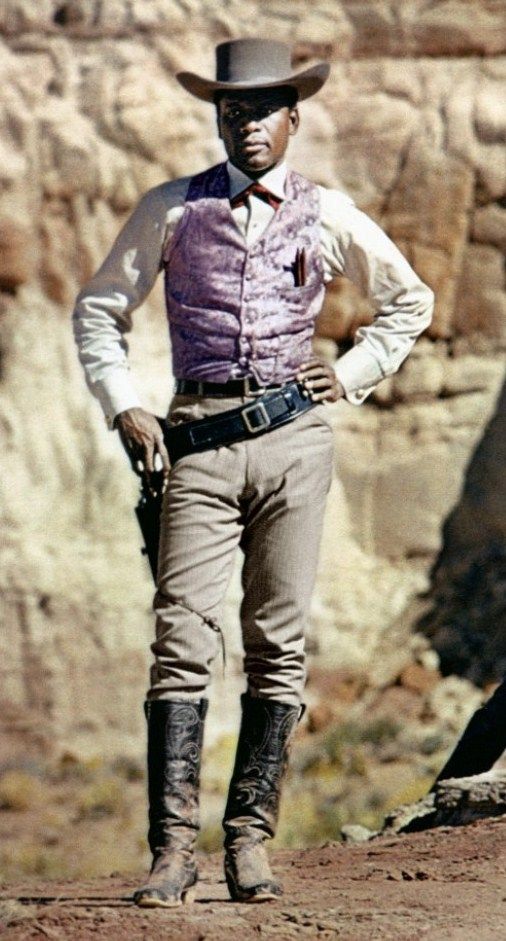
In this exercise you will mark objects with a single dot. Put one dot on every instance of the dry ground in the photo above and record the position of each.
(443, 884)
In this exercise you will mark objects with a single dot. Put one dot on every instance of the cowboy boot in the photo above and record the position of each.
(175, 732)
(251, 813)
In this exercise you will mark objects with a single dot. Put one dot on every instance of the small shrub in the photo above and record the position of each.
(13, 912)
(211, 838)
(306, 821)
(129, 769)
(32, 860)
(19, 791)
(383, 729)
(71, 768)
(410, 794)
(103, 799)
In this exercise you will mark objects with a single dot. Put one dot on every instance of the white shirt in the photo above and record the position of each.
(351, 244)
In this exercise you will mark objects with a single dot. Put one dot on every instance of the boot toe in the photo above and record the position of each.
(248, 874)
(263, 892)
(157, 898)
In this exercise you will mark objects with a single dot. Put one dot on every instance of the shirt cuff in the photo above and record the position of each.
(359, 373)
(116, 394)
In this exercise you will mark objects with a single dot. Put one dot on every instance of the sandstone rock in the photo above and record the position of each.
(471, 374)
(17, 263)
(491, 172)
(417, 678)
(489, 226)
(413, 499)
(452, 702)
(354, 833)
(490, 113)
(455, 802)
(411, 817)
(421, 378)
(90, 117)
(481, 304)
(451, 29)
(391, 123)
(461, 800)
(438, 230)
(17, 16)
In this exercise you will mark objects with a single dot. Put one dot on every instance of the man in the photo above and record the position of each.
(245, 268)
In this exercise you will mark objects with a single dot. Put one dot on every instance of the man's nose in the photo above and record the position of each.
(250, 123)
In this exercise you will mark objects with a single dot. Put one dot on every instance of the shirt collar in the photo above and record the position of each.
(274, 180)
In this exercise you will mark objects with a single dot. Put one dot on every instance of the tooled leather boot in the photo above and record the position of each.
(175, 733)
(252, 809)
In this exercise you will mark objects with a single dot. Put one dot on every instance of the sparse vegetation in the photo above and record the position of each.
(13, 912)
(19, 791)
(103, 798)
(80, 819)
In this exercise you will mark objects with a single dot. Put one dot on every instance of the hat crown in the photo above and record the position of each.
(251, 60)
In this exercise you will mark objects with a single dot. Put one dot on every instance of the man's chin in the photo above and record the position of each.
(253, 163)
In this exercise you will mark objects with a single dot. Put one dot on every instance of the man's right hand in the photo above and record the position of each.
(142, 439)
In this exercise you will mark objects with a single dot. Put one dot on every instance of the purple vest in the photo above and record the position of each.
(237, 308)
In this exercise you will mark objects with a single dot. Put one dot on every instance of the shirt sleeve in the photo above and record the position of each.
(357, 248)
(103, 309)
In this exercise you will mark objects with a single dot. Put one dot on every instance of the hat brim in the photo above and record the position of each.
(306, 83)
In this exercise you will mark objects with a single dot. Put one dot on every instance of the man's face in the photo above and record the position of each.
(255, 127)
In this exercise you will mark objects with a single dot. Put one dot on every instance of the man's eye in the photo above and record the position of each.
(237, 114)
(232, 114)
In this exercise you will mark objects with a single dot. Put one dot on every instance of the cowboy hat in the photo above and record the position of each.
(244, 64)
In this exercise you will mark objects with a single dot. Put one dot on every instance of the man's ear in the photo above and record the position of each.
(294, 118)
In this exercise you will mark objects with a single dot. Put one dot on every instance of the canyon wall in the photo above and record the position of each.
(412, 125)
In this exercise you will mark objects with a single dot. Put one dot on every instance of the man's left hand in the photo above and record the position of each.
(320, 381)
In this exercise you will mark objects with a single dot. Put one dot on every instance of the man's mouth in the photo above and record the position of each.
(251, 147)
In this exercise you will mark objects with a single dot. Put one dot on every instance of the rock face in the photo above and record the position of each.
(454, 803)
(412, 125)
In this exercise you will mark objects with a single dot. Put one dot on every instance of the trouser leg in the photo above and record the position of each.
(289, 478)
(200, 529)
(290, 473)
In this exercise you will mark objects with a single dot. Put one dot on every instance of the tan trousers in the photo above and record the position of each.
(267, 496)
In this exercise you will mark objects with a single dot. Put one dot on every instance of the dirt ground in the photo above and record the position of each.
(443, 884)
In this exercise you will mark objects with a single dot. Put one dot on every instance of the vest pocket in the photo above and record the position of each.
(298, 301)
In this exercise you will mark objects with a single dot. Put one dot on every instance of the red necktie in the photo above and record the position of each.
(256, 189)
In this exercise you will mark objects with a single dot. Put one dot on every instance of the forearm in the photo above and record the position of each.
(102, 350)
(381, 347)
(403, 304)
(103, 311)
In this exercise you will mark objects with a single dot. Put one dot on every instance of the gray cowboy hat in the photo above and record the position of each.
(245, 64)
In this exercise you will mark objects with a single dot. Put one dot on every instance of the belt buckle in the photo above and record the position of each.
(258, 407)
(248, 390)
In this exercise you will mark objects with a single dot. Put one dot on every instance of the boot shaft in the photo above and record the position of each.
(260, 763)
(175, 736)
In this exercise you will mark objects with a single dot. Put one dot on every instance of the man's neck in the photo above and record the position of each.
(274, 178)
(256, 176)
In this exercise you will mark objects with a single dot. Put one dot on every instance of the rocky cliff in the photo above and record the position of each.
(412, 125)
